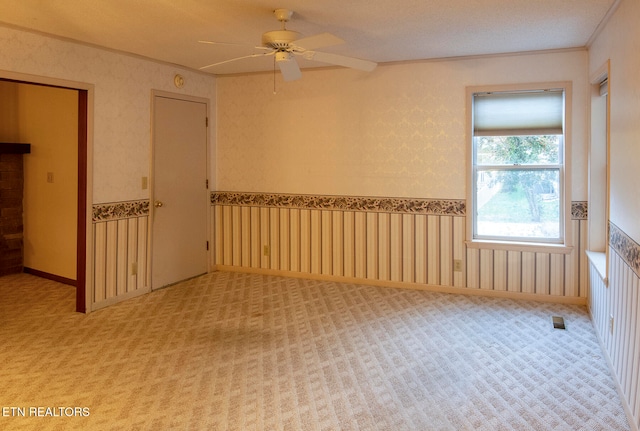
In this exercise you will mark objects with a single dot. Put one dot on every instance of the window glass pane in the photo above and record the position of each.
(523, 150)
(518, 203)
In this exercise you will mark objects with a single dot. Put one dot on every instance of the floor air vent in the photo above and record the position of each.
(558, 322)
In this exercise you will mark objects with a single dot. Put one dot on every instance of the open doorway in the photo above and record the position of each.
(55, 200)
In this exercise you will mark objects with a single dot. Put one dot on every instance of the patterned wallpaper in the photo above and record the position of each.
(626, 247)
(579, 210)
(123, 87)
(329, 133)
(619, 43)
(127, 209)
(398, 131)
(343, 203)
(120, 210)
(455, 207)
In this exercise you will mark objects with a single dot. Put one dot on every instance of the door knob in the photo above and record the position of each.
(158, 204)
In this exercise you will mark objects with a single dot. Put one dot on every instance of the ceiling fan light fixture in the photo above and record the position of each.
(282, 56)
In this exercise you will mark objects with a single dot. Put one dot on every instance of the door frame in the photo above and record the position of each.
(84, 247)
(151, 182)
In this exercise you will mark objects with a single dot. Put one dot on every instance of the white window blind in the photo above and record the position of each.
(604, 87)
(518, 113)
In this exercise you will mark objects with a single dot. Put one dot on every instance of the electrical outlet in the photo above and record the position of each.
(49, 177)
(134, 268)
(265, 250)
(611, 324)
(457, 265)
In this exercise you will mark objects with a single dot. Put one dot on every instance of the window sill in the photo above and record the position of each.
(519, 246)
(599, 261)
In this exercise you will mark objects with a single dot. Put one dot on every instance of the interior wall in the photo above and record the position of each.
(119, 134)
(620, 42)
(398, 131)
(48, 120)
(415, 243)
(9, 112)
(297, 171)
(122, 102)
(614, 300)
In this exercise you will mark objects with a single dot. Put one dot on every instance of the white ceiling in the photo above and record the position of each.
(377, 30)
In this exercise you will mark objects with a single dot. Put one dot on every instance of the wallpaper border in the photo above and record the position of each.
(579, 210)
(120, 210)
(625, 246)
(342, 203)
(138, 208)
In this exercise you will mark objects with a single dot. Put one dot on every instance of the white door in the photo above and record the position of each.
(180, 193)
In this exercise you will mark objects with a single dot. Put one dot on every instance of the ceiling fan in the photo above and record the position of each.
(285, 44)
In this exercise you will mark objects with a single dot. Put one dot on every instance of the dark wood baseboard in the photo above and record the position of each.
(48, 276)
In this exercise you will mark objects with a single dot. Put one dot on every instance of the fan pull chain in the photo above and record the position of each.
(274, 75)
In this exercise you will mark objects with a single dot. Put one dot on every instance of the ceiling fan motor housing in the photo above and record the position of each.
(279, 39)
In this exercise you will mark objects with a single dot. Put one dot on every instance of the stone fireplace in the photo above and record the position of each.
(11, 196)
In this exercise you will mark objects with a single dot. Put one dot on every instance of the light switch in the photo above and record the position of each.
(145, 183)
(49, 177)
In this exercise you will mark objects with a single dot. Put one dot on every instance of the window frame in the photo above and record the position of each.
(564, 243)
(599, 197)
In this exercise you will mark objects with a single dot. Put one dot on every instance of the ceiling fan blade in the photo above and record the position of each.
(341, 60)
(222, 43)
(262, 54)
(289, 69)
(318, 41)
(209, 42)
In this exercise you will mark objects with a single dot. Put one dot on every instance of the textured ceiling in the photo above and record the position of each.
(381, 31)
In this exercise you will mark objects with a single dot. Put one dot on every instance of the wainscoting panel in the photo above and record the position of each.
(120, 255)
(399, 241)
(599, 305)
(615, 311)
(379, 246)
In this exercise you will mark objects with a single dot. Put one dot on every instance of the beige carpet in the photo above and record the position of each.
(231, 351)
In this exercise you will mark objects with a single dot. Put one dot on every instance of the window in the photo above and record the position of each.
(518, 165)
(598, 165)
(597, 249)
